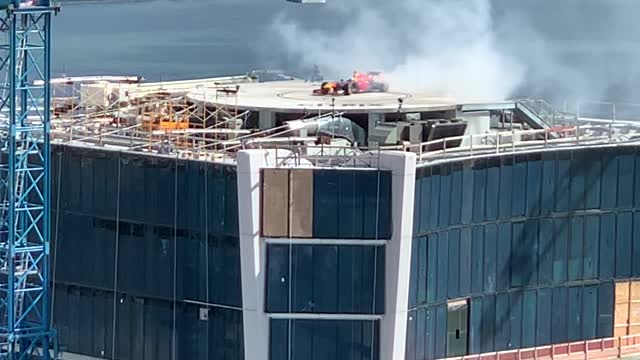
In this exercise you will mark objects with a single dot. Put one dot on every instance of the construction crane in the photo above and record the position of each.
(25, 45)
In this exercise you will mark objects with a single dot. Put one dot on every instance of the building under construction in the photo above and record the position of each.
(235, 218)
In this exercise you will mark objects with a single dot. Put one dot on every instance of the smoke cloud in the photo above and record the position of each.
(475, 50)
(442, 47)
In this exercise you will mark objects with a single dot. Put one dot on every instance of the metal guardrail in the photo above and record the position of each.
(570, 112)
(548, 113)
(601, 110)
(525, 141)
(309, 154)
(459, 147)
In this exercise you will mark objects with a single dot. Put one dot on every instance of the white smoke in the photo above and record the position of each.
(442, 47)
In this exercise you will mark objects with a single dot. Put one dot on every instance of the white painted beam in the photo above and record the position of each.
(393, 329)
(252, 255)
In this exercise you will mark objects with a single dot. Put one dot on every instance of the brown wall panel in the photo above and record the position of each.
(275, 202)
(301, 200)
(635, 290)
(634, 313)
(621, 313)
(634, 308)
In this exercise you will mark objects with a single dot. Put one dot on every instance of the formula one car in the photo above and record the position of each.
(367, 82)
(359, 83)
(333, 88)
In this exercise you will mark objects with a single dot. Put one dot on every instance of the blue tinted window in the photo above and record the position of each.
(324, 339)
(443, 266)
(625, 180)
(327, 279)
(504, 256)
(351, 204)
(605, 311)
(589, 312)
(456, 195)
(578, 178)
(534, 186)
(479, 190)
(422, 268)
(432, 267)
(593, 182)
(465, 262)
(490, 250)
(445, 196)
(475, 326)
(543, 323)
(607, 245)
(559, 328)
(453, 277)
(477, 262)
(529, 319)
(506, 184)
(609, 181)
(591, 246)
(425, 199)
(575, 313)
(576, 248)
(519, 187)
(493, 190)
(624, 237)
(434, 202)
(548, 183)
(560, 249)
(467, 194)
(563, 182)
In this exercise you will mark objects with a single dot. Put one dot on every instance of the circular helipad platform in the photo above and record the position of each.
(296, 96)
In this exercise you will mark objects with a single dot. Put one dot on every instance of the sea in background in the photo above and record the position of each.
(168, 40)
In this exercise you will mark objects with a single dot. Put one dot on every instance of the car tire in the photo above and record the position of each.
(353, 88)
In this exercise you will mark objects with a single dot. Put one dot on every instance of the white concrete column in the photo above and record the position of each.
(252, 255)
(393, 329)
(266, 119)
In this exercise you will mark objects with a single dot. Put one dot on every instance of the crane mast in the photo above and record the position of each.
(25, 44)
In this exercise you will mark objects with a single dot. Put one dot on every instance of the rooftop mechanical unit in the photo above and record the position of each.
(428, 130)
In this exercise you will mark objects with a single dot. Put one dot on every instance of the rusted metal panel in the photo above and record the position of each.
(301, 202)
(275, 202)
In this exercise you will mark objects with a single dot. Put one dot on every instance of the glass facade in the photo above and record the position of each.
(351, 204)
(162, 233)
(321, 290)
(325, 279)
(144, 327)
(324, 340)
(534, 242)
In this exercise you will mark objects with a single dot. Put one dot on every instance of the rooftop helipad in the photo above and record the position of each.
(296, 96)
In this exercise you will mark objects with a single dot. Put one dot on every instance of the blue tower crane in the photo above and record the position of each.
(25, 44)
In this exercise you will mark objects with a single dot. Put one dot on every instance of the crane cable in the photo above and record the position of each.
(375, 260)
(175, 251)
(206, 244)
(55, 242)
(115, 267)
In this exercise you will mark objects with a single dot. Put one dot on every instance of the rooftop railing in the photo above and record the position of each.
(461, 147)
(525, 141)
(193, 145)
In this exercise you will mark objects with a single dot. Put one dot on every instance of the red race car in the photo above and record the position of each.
(359, 83)
(367, 82)
(333, 88)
